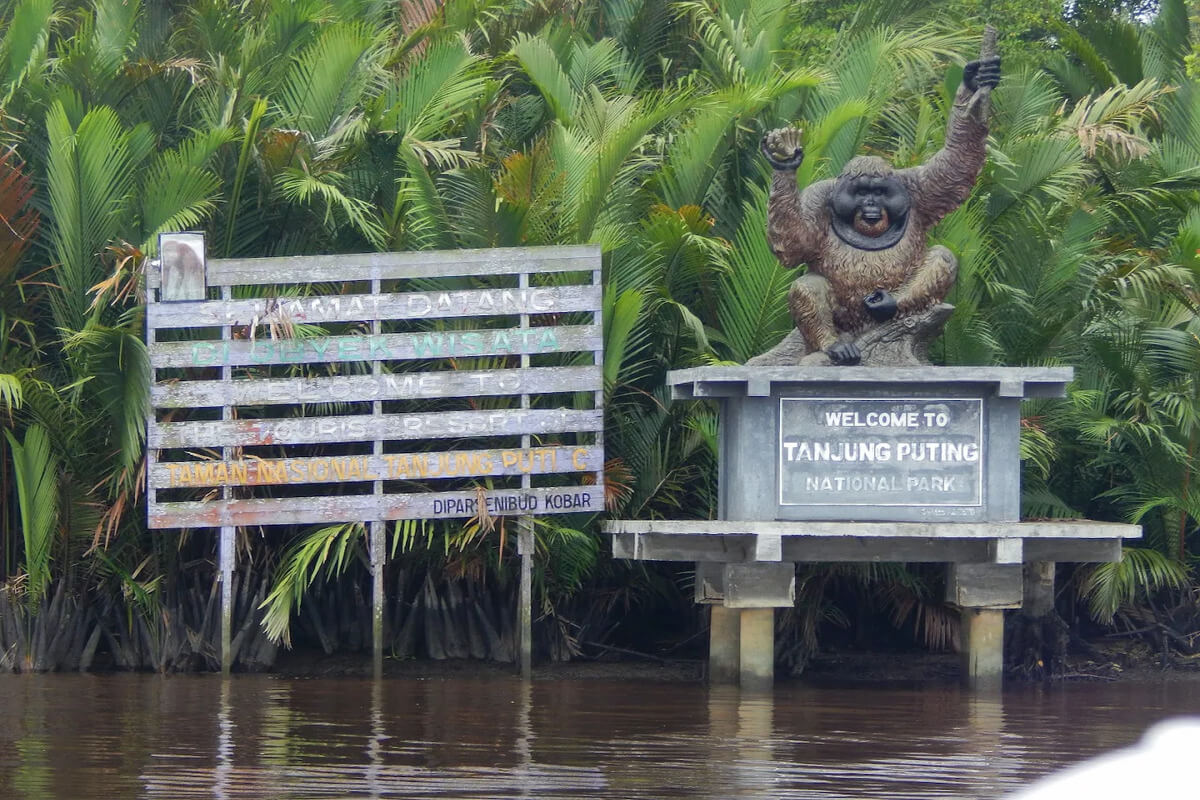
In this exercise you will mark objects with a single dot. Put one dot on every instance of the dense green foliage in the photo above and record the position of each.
(311, 126)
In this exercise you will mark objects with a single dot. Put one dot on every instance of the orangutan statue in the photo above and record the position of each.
(872, 278)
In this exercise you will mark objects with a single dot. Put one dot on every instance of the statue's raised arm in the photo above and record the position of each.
(795, 220)
(944, 182)
(872, 279)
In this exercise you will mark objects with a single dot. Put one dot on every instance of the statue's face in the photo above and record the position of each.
(869, 212)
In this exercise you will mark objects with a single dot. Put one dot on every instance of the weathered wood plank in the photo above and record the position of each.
(385, 347)
(391, 266)
(367, 428)
(432, 505)
(395, 266)
(448, 464)
(317, 309)
(359, 388)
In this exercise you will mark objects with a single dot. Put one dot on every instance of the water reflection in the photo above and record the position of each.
(254, 737)
(524, 739)
(756, 768)
(224, 743)
(375, 743)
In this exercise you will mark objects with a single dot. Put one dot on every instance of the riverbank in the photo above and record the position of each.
(1118, 664)
(860, 667)
(315, 664)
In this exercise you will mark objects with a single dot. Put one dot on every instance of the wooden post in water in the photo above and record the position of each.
(228, 535)
(378, 560)
(525, 600)
(525, 541)
(228, 543)
(378, 527)
(228, 553)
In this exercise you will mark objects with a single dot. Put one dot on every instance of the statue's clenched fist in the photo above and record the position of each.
(881, 305)
(844, 354)
(984, 73)
(783, 148)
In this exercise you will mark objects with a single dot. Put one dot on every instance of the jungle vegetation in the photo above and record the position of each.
(319, 126)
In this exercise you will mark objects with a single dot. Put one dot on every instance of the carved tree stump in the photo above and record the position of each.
(895, 343)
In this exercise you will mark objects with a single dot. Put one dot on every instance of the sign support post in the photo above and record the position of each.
(373, 388)
(226, 557)
(525, 540)
(525, 599)
(378, 527)
(228, 533)
(378, 560)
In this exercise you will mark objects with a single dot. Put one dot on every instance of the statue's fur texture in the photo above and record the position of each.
(828, 300)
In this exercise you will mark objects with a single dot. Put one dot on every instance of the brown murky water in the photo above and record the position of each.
(140, 736)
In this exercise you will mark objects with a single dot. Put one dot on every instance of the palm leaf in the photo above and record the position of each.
(234, 206)
(541, 64)
(328, 79)
(90, 174)
(423, 101)
(621, 316)
(305, 188)
(178, 192)
(751, 307)
(24, 45)
(35, 468)
(326, 551)
(426, 220)
(115, 34)
(119, 376)
(1107, 587)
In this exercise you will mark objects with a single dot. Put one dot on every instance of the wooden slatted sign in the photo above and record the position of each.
(324, 389)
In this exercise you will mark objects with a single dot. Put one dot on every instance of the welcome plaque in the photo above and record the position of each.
(914, 451)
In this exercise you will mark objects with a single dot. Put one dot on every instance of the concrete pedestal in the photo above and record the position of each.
(983, 648)
(724, 645)
(757, 648)
(866, 464)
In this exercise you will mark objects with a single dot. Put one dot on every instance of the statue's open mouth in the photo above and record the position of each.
(871, 222)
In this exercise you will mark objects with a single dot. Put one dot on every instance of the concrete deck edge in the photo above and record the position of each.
(757, 381)
(1052, 529)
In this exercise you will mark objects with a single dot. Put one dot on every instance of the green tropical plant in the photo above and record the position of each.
(283, 127)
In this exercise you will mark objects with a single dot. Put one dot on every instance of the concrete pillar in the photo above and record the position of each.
(724, 636)
(1038, 597)
(757, 649)
(983, 648)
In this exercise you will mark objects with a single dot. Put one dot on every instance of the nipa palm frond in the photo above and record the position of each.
(1107, 587)
(35, 468)
(326, 551)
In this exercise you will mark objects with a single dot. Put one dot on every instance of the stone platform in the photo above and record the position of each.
(836, 464)
(734, 541)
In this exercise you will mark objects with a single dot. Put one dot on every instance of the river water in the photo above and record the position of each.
(146, 736)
